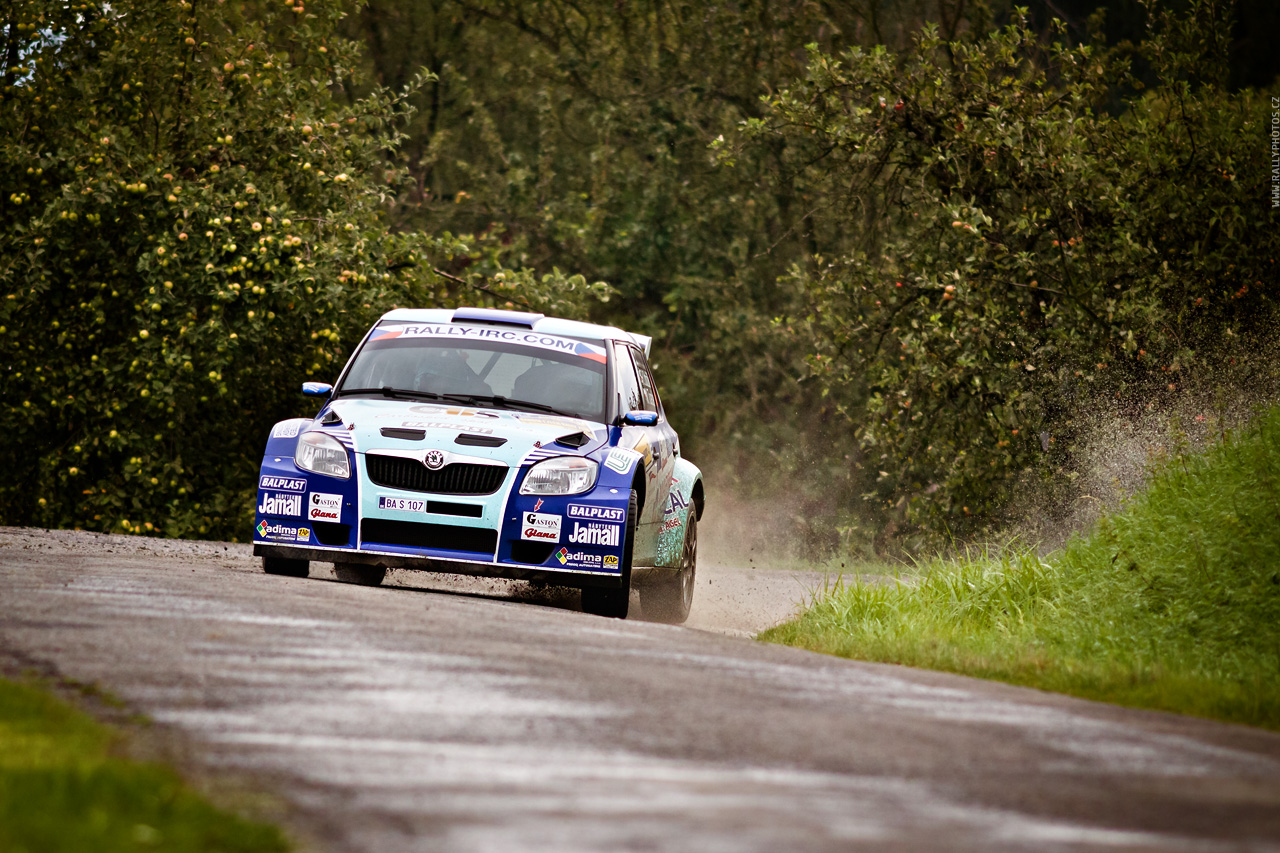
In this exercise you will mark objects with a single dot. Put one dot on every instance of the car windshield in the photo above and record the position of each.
(481, 366)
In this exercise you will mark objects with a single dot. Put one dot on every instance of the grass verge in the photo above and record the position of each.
(1171, 603)
(62, 789)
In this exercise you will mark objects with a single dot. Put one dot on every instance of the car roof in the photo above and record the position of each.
(518, 319)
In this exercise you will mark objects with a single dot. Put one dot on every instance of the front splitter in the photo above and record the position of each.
(477, 568)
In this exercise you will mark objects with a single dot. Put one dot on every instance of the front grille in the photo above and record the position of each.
(417, 534)
(460, 478)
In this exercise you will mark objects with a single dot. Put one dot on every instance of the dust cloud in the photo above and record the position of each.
(752, 573)
(1123, 441)
(741, 532)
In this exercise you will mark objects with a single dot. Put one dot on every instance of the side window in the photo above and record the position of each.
(648, 394)
(628, 385)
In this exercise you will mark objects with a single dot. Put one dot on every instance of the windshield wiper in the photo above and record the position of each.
(466, 399)
(507, 403)
(388, 391)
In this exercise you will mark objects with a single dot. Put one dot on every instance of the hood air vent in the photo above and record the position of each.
(406, 434)
(577, 439)
(479, 440)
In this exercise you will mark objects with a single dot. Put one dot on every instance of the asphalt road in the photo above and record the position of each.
(444, 715)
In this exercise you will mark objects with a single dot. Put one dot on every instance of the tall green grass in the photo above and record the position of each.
(61, 789)
(1171, 603)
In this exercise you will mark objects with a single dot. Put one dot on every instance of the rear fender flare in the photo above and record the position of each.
(686, 497)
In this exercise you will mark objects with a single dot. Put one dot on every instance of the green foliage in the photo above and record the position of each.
(194, 225)
(61, 790)
(601, 138)
(1171, 603)
(577, 135)
(782, 195)
(1002, 251)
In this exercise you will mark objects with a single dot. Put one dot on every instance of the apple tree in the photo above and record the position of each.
(192, 222)
(1016, 231)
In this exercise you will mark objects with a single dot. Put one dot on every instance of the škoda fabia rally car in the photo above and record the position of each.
(493, 443)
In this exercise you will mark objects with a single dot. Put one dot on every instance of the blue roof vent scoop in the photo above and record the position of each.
(496, 317)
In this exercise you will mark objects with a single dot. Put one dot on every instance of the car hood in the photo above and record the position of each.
(503, 435)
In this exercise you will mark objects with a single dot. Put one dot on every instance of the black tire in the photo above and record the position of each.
(670, 600)
(614, 603)
(356, 573)
(286, 567)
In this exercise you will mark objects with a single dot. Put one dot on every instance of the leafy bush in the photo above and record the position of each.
(1004, 249)
(590, 154)
(192, 221)
(194, 225)
(1102, 231)
(787, 352)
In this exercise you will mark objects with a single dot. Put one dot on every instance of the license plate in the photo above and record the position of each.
(402, 504)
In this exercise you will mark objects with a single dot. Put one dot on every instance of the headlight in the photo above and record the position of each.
(322, 454)
(564, 475)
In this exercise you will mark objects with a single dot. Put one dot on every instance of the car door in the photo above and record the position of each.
(656, 442)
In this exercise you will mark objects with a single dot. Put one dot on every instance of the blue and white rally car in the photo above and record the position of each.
(493, 443)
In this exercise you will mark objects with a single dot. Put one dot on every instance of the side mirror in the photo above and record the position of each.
(640, 417)
(317, 389)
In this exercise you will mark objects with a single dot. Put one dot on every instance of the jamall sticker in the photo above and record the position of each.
(597, 534)
(274, 503)
(459, 334)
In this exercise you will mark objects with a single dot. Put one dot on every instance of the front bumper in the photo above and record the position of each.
(575, 541)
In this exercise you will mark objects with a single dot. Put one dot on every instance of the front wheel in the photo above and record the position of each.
(356, 573)
(671, 600)
(286, 567)
(614, 602)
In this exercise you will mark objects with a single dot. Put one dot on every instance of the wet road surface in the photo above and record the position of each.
(443, 715)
